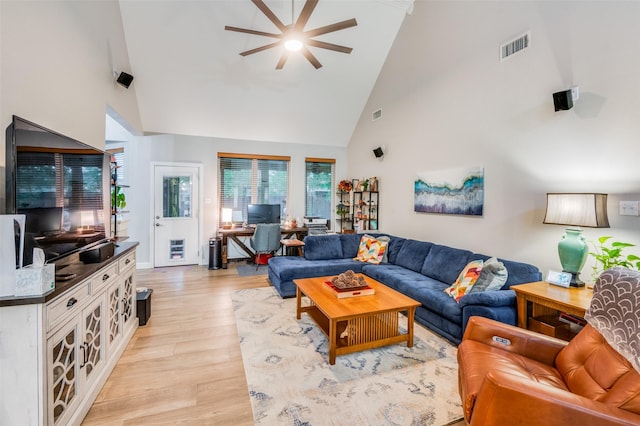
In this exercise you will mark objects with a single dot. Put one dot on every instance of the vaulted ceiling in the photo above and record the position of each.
(190, 78)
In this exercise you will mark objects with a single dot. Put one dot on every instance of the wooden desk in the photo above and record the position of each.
(235, 233)
(541, 298)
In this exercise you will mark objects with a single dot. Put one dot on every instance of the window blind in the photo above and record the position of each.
(252, 179)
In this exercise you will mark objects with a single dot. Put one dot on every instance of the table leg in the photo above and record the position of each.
(410, 314)
(521, 300)
(298, 302)
(224, 252)
(332, 341)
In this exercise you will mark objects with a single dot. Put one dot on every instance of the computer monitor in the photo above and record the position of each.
(263, 213)
(43, 220)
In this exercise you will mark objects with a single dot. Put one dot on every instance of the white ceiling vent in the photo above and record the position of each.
(377, 114)
(514, 46)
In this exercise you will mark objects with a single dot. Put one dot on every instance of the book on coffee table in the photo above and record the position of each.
(350, 292)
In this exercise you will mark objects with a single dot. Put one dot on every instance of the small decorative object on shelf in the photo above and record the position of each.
(373, 184)
(345, 186)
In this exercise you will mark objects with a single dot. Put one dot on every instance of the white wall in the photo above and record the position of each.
(57, 64)
(448, 102)
(142, 151)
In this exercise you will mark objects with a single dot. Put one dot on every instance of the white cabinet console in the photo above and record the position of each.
(57, 350)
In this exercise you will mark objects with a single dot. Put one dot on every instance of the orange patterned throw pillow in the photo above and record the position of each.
(466, 280)
(371, 250)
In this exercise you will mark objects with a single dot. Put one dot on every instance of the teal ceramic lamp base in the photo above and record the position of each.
(573, 251)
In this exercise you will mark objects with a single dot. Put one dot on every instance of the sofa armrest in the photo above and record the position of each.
(513, 339)
(489, 298)
(506, 399)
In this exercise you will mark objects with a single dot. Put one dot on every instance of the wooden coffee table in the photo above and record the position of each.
(357, 323)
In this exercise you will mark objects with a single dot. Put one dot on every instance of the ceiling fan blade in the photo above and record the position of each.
(314, 61)
(260, 49)
(330, 46)
(331, 28)
(269, 14)
(307, 10)
(282, 60)
(244, 30)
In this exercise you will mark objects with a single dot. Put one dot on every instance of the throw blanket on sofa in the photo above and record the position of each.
(615, 311)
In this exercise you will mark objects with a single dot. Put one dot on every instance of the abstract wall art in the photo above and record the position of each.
(456, 191)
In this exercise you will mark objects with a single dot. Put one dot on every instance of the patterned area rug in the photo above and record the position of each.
(291, 382)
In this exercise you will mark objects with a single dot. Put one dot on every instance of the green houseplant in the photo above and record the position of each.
(609, 254)
(118, 199)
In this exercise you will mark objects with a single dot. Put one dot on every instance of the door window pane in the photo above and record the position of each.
(176, 196)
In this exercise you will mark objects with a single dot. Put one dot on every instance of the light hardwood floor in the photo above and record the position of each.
(184, 366)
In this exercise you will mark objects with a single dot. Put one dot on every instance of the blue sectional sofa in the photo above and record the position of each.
(419, 269)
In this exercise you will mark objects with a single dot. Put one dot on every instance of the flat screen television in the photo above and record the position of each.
(263, 213)
(61, 185)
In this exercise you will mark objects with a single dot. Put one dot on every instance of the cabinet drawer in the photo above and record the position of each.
(67, 304)
(103, 277)
(127, 261)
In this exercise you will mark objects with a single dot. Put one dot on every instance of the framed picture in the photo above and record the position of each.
(562, 279)
(456, 191)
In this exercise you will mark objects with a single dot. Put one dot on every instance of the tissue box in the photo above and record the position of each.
(34, 281)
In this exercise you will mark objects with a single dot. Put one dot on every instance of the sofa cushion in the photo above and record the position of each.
(445, 263)
(288, 268)
(350, 244)
(493, 276)
(413, 253)
(466, 280)
(394, 276)
(433, 298)
(394, 247)
(322, 247)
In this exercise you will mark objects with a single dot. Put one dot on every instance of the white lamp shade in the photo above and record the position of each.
(87, 218)
(587, 210)
(227, 215)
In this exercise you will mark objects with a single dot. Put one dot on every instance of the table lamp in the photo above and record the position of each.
(87, 221)
(575, 209)
(227, 217)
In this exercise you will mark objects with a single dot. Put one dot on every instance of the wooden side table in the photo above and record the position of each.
(541, 298)
(291, 244)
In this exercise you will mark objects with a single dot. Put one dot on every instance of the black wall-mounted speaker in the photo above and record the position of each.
(125, 79)
(378, 152)
(563, 101)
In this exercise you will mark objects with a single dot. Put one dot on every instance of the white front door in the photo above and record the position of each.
(175, 216)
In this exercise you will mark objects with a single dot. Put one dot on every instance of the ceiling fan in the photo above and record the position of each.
(293, 36)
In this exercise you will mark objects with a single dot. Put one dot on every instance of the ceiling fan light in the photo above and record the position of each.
(293, 45)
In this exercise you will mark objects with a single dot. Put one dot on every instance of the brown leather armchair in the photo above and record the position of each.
(510, 376)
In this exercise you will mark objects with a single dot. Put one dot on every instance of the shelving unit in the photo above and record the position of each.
(343, 211)
(116, 188)
(365, 210)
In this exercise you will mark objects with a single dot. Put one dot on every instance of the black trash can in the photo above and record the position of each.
(215, 253)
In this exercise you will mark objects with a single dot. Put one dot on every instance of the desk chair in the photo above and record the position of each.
(266, 239)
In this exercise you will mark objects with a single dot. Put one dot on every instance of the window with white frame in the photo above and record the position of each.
(251, 179)
(319, 174)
